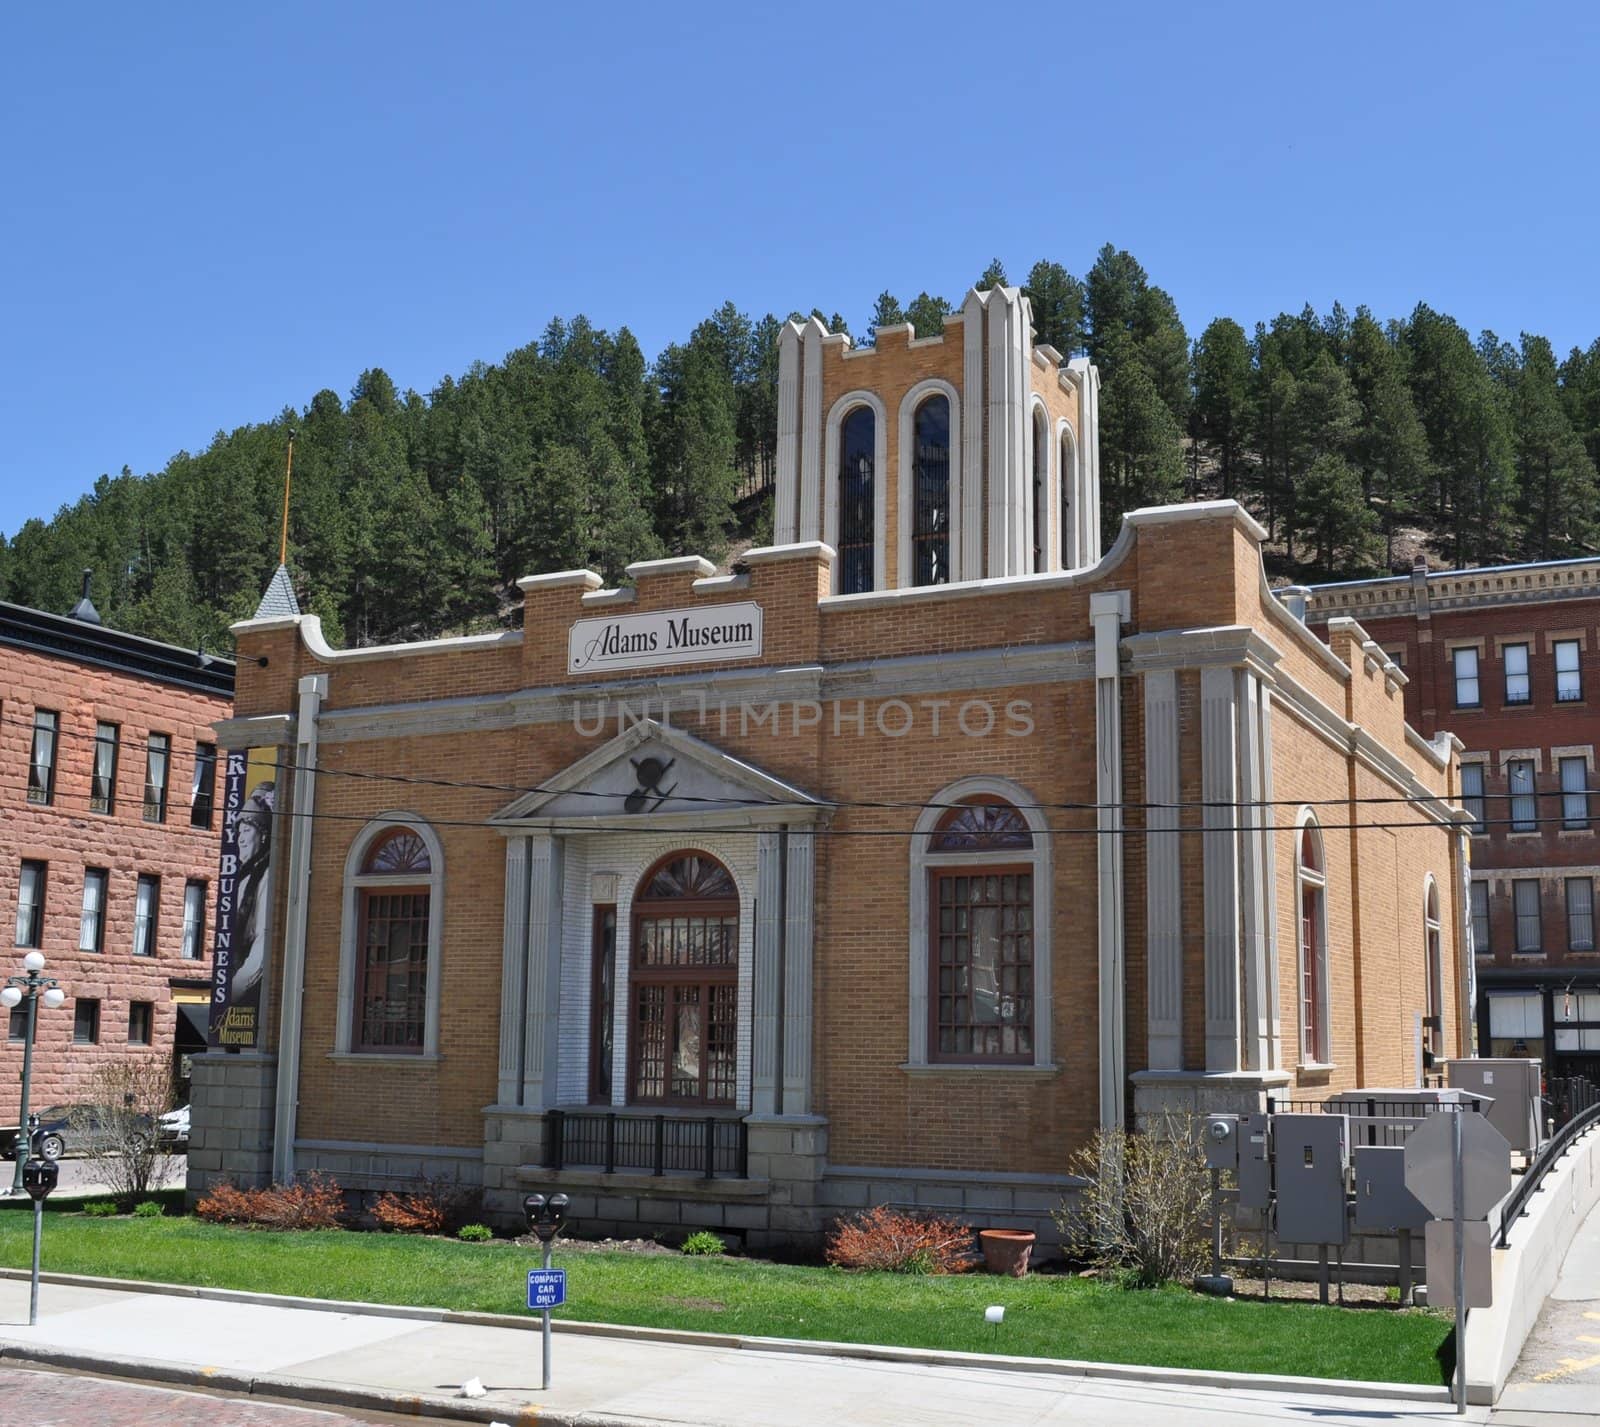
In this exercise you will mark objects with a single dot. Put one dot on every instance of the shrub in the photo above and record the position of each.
(124, 1150)
(475, 1233)
(703, 1241)
(436, 1207)
(149, 1209)
(894, 1241)
(314, 1203)
(1144, 1211)
(100, 1208)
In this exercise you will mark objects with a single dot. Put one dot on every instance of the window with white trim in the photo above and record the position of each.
(1569, 674)
(1521, 790)
(1480, 918)
(1311, 889)
(1041, 491)
(1465, 664)
(1580, 914)
(1434, 969)
(1574, 793)
(857, 544)
(1515, 659)
(930, 506)
(1472, 795)
(1516, 1023)
(1525, 905)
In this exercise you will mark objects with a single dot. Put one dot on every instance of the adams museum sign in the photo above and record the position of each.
(668, 636)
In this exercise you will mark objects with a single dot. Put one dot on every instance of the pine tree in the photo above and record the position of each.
(1390, 448)
(992, 276)
(926, 314)
(886, 312)
(1141, 460)
(1557, 483)
(1222, 396)
(1057, 301)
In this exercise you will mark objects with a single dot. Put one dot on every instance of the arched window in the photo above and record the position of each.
(930, 528)
(684, 983)
(981, 934)
(1041, 491)
(1433, 1032)
(1311, 889)
(1067, 474)
(858, 440)
(388, 984)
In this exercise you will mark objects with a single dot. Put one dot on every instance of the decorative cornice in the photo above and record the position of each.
(62, 637)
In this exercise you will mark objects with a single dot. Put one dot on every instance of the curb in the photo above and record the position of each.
(440, 1406)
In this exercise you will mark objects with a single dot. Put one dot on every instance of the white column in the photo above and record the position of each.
(764, 1014)
(969, 559)
(1220, 879)
(1163, 874)
(797, 989)
(811, 418)
(514, 973)
(785, 518)
(539, 1046)
(302, 828)
(1270, 884)
(1254, 889)
(1107, 612)
(1007, 447)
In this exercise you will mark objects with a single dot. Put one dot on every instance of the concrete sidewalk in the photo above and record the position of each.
(355, 1356)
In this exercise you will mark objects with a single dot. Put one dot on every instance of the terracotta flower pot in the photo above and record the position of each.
(1006, 1251)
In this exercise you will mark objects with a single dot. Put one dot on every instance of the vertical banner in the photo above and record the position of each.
(244, 898)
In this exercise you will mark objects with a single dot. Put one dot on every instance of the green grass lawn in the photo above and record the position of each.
(1046, 1316)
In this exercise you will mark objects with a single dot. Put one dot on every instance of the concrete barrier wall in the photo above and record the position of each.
(1526, 1271)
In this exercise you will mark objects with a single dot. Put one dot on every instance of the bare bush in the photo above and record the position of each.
(315, 1202)
(436, 1206)
(120, 1133)
(893, 1241)
(1144, 1211)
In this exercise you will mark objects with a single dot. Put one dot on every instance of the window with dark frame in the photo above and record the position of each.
(1574, 793)
(141, 1022)
(203, 793)
(1580, 914)
(981, 943)
(392, 951)
(1515, 659)
(1065, 476)
(1464, 663)
(146, 911)
(86, 1021)
(602, 1003)
(1569, 673)
(858, 434)
(17, 1030)
(1522, 792)
(194, 920)
(1313, 889)
(92, 919)
(684, 984)
(1041, 490)
(930, 475)
(1472, 795)
(103, 781)
(158, 758)
(31, 885)
(1434, 970)
(42, 760)
(1480, 918)
(1525, 904)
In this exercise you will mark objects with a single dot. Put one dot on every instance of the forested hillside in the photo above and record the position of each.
(413, 514)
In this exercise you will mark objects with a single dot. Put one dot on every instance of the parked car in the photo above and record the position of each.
(173, 1129)
(68, 1129)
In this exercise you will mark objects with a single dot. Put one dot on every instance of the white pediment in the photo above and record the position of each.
(653, 774)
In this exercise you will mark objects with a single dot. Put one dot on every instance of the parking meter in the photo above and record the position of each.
(39, 1177)
(546, 1218)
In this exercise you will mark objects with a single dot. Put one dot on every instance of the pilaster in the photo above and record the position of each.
(1107, 613)
(799, 911)
(1255, 891)
(969, 560)
(539, 1056)
(514, 972)
(811, 417)
(767, 1001)
(1220, 878)
(1163, 874)
(785, 520)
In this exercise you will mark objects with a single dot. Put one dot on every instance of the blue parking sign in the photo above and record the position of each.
(547, 1287)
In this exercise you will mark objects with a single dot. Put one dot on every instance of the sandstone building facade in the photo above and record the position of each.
(885, 868)
(108, 842)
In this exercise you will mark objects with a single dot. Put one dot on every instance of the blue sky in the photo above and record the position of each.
(213, 211)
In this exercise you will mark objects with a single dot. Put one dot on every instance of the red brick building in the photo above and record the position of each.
(1508, 660)
(108, 841)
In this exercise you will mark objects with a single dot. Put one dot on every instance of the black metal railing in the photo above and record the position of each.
(708, 1147)
(1570, 1095)
(1372, 1121)
(1549, 1155)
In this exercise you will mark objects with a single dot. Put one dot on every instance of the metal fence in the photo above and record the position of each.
(1569, 1096)
(706, 1147)
(1372, 1121)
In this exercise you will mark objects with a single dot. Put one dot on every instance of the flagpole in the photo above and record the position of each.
(288, 475)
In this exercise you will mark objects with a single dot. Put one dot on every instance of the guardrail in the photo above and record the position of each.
(1549, 1155)
(707, 1147)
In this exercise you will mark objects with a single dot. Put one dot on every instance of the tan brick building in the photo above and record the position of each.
(108, 842)
(1506, 658)
(884, 868)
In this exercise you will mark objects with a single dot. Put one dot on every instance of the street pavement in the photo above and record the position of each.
(80, 1180)
(1557, 1378)
(376, 1364)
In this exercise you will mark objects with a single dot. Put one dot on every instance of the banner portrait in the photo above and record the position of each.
(244, 898)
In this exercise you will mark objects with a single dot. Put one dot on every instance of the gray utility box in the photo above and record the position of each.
(1222, 1142)
(1255, 1161)
(1311, 1166)
(1382, 1116)
(1383, 1203)
(1514, 1088)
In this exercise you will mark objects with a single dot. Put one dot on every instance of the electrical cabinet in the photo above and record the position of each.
(1513, 1088)
(1255, 1161)
(1383, 1203)
(1311, 1169)
(1222, 1142)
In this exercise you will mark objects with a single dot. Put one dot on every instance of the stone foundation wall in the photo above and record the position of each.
(230, 1129)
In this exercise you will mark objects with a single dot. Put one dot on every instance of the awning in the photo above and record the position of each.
(190, 1036)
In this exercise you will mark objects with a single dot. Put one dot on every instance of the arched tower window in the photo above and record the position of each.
(1041, 492)
(1067, 474)
(1311, 888)
(684, 983)
(858, 436)
(930, 529)
(1433, 1034)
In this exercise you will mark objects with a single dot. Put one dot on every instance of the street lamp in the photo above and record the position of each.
(36, 987)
